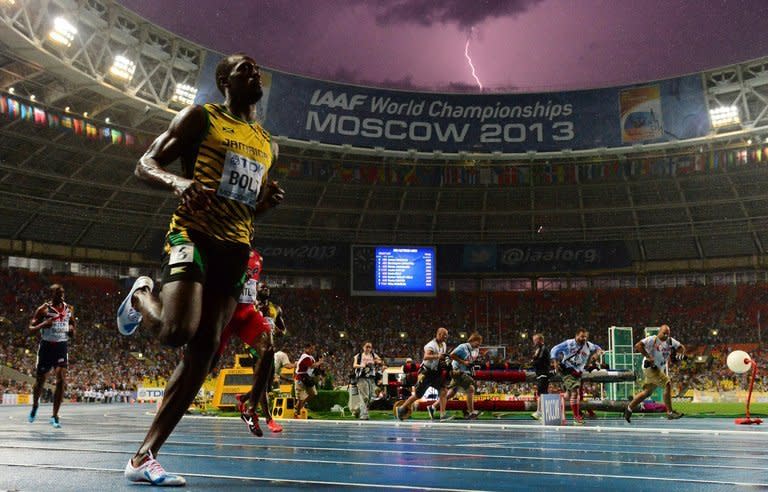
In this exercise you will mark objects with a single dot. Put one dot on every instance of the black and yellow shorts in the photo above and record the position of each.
(192, 256)
(429, 378)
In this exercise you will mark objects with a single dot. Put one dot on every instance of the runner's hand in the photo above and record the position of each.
(273, 195)
(193, 194)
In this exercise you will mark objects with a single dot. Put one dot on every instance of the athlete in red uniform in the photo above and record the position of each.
(250, 326)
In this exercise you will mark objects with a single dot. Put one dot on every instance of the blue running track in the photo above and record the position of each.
(91, 449)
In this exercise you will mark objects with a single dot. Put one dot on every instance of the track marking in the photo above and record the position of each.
(250, 479)
(512, 472)
(397, 465)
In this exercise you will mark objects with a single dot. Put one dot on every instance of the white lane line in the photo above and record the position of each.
(249, 478)
(677, 452)
(638, 443)
(398, 465)
(529, 427)
(511, 472)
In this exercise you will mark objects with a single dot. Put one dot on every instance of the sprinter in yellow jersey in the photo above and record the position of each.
(225, 157)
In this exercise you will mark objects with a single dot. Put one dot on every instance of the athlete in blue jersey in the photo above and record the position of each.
(570, 358)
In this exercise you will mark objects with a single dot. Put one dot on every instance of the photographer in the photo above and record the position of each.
(432, 374)
(541, 365)
(570, 358)
(304, 378)
(657, 350)
(366, 366)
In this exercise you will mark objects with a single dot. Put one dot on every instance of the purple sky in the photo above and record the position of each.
(518, 45)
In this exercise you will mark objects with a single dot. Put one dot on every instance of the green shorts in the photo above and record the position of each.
(192, 256)
(571, 382)
(461, 380)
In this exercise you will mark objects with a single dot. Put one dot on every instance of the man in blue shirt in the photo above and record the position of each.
(570, 357)
(462, 358)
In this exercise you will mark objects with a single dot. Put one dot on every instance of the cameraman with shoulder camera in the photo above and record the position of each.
(657, 350)
(366, 365)
(304, 378)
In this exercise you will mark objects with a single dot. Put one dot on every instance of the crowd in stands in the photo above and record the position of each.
(101, 361)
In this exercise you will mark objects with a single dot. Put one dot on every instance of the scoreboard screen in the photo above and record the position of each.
(393, 270)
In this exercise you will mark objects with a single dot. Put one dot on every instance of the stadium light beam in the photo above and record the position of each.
(724, 116)
(123, 68)
(63, 32)
(184, 94)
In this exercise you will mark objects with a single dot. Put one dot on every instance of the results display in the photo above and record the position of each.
(393, 270)
(401, 269)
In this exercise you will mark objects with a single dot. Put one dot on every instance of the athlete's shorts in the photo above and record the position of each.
(542, 384)
(192, 256)
(248, 324)
(653, 377)
(571, 382)
(50, 355)
(303, 391)
(429, 378)
(461, 380)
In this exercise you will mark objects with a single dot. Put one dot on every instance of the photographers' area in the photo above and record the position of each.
(471, 381)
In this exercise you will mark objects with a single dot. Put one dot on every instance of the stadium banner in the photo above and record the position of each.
(530, 258)
(308, 109)
(736, 396)
(146, 394)
(305, 255)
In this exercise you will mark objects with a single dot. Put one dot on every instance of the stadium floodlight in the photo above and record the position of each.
(724, 116)
(184, 94)
(123, 68)
(63, 32)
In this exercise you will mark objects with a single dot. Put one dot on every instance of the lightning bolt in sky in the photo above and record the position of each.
(469, 60)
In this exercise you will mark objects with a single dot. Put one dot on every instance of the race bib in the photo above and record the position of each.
(60, 327)
(241, 179)
(182, 253)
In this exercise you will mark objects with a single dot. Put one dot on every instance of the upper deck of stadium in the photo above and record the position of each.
(653, 165)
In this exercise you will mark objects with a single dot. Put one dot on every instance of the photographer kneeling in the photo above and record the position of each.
(305, 384)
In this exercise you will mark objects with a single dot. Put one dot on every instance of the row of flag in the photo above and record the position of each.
(512, 175)
(403, 173)
(15, 110)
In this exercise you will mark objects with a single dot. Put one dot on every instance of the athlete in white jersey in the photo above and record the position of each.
(657, 350)
(56, 321)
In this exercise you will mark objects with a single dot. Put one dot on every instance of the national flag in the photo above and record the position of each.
(77, 126)
(14, 108)
(91, 131)
(40, 117)
(53, 120)
(410, 176)
(307, 169)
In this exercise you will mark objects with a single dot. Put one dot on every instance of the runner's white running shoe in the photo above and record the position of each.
(128, 319)
(152, 472)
